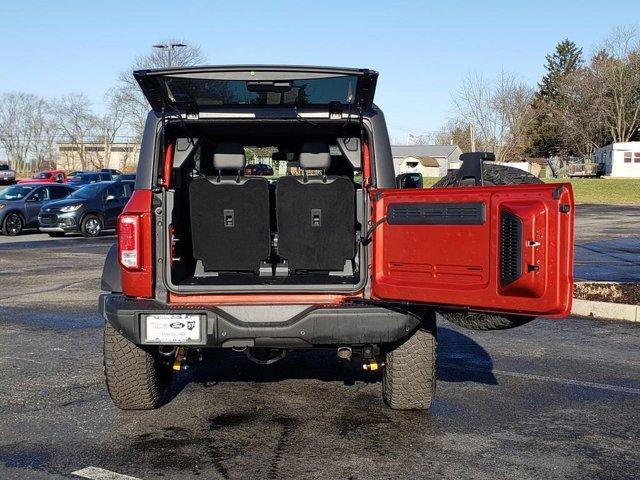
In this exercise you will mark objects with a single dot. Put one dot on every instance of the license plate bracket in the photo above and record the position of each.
(173, 329)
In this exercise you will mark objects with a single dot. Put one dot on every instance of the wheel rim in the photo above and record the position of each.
(93, 226)
(13, 224)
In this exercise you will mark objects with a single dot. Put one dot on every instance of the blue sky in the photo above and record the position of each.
(422, 49)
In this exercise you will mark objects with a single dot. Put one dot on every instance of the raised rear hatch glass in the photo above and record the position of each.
(257, 86)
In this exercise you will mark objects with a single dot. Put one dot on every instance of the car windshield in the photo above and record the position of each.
(88, 191)
(81, 178)
(42, 175)
(15, 192)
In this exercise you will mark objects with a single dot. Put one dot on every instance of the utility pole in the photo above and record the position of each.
(472, 136)
(168, 47)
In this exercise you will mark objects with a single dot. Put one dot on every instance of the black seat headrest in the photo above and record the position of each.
(229, 156)
(315, 156)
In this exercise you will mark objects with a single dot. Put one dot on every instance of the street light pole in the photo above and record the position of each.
(168, 47)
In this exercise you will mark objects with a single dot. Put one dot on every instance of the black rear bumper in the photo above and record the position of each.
(316, 326)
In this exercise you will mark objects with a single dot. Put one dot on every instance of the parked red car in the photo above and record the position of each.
(47, 176)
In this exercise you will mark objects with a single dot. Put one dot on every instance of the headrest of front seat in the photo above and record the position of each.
(315, 156)
(229, 156)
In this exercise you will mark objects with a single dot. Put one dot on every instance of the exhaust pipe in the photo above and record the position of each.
(345, 353)
(167, 350)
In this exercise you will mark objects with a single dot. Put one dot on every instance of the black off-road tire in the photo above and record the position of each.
(485, 321)
(409, 378)
(494, 175)
(136, 378)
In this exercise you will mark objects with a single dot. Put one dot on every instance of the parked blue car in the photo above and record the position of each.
(89, 210)
(21, 203)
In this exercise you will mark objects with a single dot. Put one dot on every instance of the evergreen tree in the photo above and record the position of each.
(566, 59)
(544, 131)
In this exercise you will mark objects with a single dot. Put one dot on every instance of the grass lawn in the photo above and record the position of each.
(595, 190)
(605, 190)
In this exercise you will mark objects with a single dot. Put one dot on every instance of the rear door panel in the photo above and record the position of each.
(500, 248)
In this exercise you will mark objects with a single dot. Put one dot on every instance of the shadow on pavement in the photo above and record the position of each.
(460, 359)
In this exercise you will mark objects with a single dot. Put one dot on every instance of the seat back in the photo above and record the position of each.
(230, 215)
(315, 215)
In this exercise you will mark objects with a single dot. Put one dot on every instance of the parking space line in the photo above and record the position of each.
(543, 378)
(569, 381)
(95, 473)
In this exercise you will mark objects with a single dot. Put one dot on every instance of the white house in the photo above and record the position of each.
(420, 158)
(620, 159)
(425, 165)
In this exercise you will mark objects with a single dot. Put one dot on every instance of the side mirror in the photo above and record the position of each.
(109, 198)
(409, 180)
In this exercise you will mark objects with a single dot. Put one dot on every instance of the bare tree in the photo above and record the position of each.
(455, 132)
(601, 101)
(618, 68)
(499, 111)
(77, 123)
(16, 133)
(106, 130)
(130, 96)
(45, 129)
(581, 114)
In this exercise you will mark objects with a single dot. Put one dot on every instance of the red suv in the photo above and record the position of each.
(47, 176)
(340, 255)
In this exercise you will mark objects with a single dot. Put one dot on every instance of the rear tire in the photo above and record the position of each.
(409, 379)
(136, 379)
(91, 226)
(12, 225)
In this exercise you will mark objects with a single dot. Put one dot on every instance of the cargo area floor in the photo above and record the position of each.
(249, 279)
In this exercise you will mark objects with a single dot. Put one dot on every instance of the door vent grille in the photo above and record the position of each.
(469, 213)
(510, 248)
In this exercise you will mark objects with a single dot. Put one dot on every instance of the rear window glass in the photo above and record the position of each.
(4, 167)
(88, 191)
(58, 192)
(316, 91)
(42, 175)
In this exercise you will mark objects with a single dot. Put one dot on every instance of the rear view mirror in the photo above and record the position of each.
(409, 180)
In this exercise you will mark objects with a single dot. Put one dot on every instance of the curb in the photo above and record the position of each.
(606, 310)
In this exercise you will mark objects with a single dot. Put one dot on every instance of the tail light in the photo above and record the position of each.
(129, 241)
(135, 245)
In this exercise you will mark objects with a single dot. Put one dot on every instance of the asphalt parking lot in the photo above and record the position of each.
(552, 399)
(607, 243)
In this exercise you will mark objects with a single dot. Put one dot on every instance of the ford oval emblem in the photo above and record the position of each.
(177, 325)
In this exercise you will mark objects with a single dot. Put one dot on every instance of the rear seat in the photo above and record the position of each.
(315, 215)
(230, 215)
